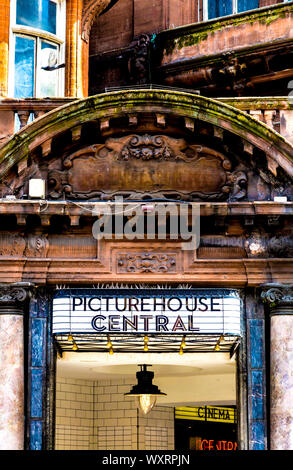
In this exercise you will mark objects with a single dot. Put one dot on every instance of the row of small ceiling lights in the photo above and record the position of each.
(146, 346)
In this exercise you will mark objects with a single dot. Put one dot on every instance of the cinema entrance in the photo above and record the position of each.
(186, 339)
(170, 299)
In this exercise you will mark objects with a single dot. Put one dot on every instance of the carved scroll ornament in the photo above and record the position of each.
(155, 165)
(13, 294)
(276, 295)
(37, 246)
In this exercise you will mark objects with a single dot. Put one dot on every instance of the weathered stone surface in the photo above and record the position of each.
(279, 298)
(12, 298)
(282, 382)
(216, 173)
(11, 383)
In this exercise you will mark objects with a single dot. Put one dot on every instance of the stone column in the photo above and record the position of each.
(279, 298)
(12, 303)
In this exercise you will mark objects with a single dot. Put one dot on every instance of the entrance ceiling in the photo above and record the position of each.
(191, 379)
(123, 343)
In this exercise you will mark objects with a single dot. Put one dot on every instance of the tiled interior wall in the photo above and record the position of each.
(74, 414)
(95, 415)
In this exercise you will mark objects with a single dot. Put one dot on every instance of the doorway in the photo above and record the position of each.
(93, 413)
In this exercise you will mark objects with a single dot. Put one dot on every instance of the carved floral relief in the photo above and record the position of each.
(147, 263)
(16, 245)
(155, 165)
(11, 244)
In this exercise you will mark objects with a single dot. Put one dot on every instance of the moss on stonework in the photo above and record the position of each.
(252, 103)
(191, 40)
(184, 36)
(122, 103)
(269, 19)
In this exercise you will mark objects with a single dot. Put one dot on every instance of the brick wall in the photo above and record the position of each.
(95, 415)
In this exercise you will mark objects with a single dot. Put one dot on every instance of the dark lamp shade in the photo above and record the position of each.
(145, 390)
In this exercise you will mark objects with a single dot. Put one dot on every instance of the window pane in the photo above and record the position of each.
(24, 67)
(48, 79)
(39, 14)
(244, 5)
(217, 8)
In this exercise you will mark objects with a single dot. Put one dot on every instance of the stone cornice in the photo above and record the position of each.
(105, 268)
(266, 15)
(45, 209)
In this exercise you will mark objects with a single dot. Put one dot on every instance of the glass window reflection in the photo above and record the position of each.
(244, 5)
(217, 8)
(24, 67)
(48, 79)
(39, 14)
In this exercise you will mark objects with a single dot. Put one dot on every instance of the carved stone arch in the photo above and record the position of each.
(81, 13)
(155, 143)
(91, 9)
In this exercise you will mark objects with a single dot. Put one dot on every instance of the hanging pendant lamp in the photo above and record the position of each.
(146, 392)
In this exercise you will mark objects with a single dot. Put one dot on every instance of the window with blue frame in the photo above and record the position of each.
(218, 8)
(38, 28)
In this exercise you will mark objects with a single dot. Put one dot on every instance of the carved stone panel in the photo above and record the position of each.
(146, 263)
(154, 165)
(37, 246)
(12, 244)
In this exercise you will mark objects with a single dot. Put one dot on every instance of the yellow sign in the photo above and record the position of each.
(207, 413)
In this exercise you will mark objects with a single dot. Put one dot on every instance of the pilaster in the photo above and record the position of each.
(279, 299)
(13, 298)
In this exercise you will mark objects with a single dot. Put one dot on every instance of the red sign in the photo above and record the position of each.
(218, 445)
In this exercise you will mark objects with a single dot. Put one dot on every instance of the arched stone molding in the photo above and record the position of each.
(161, 106)
(91, 9)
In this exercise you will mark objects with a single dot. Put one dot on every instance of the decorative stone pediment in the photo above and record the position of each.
(157, 165)
(144, 144)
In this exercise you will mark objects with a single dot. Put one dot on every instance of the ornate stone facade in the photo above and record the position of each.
(230, 157)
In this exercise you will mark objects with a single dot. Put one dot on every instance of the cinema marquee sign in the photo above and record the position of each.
(207, 311)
